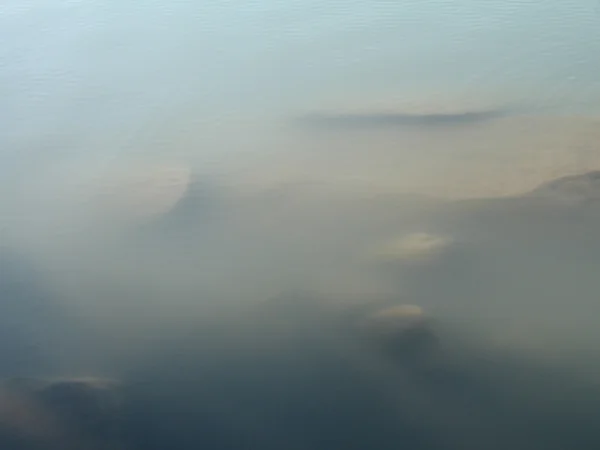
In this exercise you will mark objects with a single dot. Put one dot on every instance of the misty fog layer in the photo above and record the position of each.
(315, 224)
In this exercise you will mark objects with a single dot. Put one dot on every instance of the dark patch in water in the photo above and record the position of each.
(385, 119)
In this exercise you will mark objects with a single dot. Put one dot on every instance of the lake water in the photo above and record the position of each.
(90, 85)
(309, 223)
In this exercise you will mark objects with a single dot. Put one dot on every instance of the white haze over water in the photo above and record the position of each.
(89, 85)
(111, 110)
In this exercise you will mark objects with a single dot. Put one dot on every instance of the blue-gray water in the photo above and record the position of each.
(220, 204)
(88, 86)
(104, 80)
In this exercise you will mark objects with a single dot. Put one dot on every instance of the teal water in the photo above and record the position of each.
(95, 93)
(107, 66)
(90, 85)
